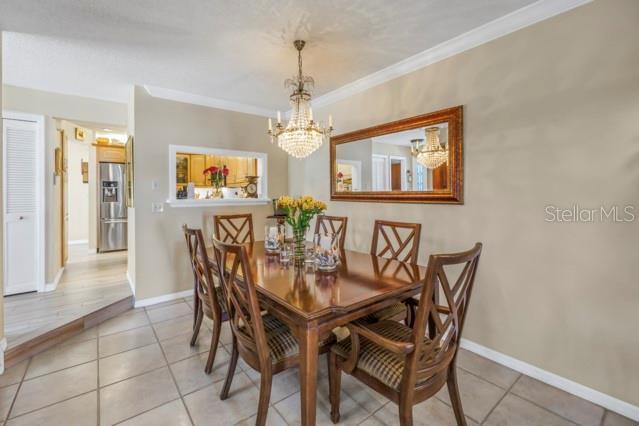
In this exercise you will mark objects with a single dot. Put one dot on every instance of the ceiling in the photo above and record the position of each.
(238, 51)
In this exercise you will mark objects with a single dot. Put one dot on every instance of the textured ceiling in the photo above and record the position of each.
(238, 51)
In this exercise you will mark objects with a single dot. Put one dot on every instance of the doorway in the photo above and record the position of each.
(398, 173)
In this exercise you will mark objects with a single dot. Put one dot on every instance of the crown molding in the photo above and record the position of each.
(191, 98)
(521, 18)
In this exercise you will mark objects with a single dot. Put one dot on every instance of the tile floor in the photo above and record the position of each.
(138, 369)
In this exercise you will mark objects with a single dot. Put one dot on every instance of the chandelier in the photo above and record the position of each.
(433, 154)
(302, 135)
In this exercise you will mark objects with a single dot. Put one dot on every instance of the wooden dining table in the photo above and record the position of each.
(314, 303)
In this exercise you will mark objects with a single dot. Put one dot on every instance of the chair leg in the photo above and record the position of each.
(196, 303)
(266, 380)
(405, 412)
(199, 314)
(453, 391)
(215, 338)
(229, 374)
(334, 385)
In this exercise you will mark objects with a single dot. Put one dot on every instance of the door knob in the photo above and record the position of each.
(21, 217)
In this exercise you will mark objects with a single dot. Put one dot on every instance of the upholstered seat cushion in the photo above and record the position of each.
(389, 312)
(283, 344)
(384, 365)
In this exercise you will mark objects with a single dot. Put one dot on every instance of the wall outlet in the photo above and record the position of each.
(155, 185)
(157, 207)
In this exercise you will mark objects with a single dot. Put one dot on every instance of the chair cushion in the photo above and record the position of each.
(380, 363)
(387, 313)
(283, 344)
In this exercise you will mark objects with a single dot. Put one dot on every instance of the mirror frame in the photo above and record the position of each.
(453, 195)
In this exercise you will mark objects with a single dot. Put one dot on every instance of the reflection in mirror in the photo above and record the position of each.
(409, 160)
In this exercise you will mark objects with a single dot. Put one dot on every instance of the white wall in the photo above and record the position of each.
(551, 116)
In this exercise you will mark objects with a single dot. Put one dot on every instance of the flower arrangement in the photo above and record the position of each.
(340, 175)
(299, 213)
(217, 175)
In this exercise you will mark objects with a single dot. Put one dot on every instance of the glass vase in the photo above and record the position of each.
(299, 240)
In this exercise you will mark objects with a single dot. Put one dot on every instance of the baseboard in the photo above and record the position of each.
(611, 403)
(53, 285)
(3, 347)
(161, 299)
(92, 251)
(131, 282)
(77, 242)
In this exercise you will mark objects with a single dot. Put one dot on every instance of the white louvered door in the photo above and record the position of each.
(21, 206)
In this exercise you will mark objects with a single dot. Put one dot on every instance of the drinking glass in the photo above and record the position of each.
(326, 251)
(286, 253)
(272, 238)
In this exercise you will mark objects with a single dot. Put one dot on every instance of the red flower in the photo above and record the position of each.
(225, 171)
(340, 175)
(212, 170)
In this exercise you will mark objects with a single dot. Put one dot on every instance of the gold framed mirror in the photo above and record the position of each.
(414, 160)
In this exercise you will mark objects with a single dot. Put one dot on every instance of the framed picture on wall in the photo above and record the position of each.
(182, 168)
(79, 134)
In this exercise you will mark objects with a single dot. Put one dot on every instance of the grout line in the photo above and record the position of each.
(52, 404)
(15, 397)
(539, 406)
(375, 412)
(146, 411)
(500, 400)
(168, 366)
(488, 381)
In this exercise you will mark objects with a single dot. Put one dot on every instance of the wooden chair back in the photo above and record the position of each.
(202, 270)
(443, 320)
(335, 225)
(234, 228)
(393, 244)
(242, 305)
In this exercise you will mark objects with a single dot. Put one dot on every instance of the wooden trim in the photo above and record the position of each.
(453, 195)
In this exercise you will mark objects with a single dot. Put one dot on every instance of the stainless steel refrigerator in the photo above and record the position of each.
(112, 230)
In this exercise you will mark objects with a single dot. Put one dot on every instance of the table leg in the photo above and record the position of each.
(309, 353)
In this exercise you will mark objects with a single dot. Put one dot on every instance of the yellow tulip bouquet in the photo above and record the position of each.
(299, 212)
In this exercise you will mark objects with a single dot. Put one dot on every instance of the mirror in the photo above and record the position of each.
(417, 160)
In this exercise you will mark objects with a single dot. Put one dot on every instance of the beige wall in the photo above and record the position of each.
(551, 116)
(161, 263)
(1, 214)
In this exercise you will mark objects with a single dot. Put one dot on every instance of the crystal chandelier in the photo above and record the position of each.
(302, 135)
(433, 154)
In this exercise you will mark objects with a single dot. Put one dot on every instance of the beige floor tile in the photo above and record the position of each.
(226, 335)
(163, 304)
(131, 363)
(7, 394)
(558, 401)
(62, 356)
(126, 340)
(13, 374)
(488, 370)
(273, 418)
(133, 396)
(189, 373)
(513, 410)
(127, 321)
(284, 384)
(431, 412)
(87, 334)
(55, 387)
(477, 395)
(290, 410)
(169, 414)
(205, 404)
(79, 411)
(614, 419)
(175, 327)
(164, 313)
(179, 347)
(362, 394)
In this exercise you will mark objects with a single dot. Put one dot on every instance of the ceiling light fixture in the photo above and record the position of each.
(302, 135)
(433, 154)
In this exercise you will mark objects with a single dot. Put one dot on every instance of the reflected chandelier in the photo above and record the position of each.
(302, 135)
(433, 154)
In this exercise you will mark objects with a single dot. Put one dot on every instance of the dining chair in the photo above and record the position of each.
(409, 365)
(265, 343)
(207, 296)
(395, 241)
(234, 228)
(335, 225)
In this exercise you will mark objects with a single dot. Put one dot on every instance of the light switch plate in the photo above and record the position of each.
(154, 185)
(157, 207)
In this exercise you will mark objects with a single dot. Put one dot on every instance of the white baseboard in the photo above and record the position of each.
(161, 299)
(53, 285)
(77, 242)
(3, 347)
(611, 403)
(131, 282)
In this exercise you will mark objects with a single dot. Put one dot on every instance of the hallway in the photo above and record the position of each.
(89, 283)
